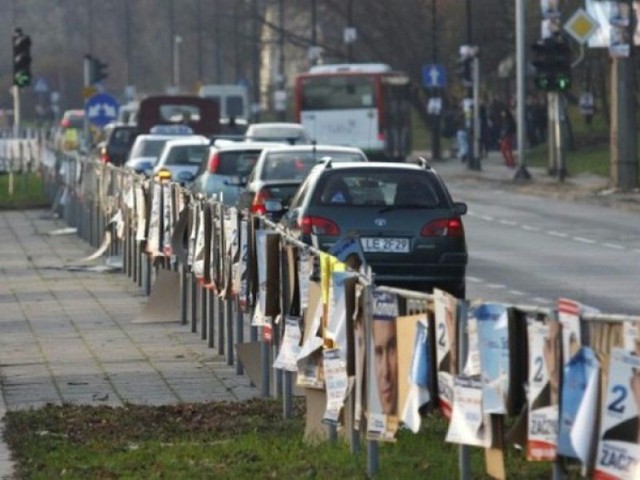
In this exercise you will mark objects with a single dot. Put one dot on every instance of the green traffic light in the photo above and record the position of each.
(22, 79)
(563, 83)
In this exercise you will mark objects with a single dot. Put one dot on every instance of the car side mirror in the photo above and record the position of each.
(460, 208)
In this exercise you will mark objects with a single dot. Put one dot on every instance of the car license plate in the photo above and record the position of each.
(385, 245)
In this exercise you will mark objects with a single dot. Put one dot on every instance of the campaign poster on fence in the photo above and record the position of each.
(618, 454)
(261, 303)
(141, 213)
(469, 425)
(336, 385)
(493, 339)
(544, 384)
(383, 368)
(445, 314)
(569, 316)
(241, 286)
(630, 337)
(349, 251)
(305, 268)
(167, 219)
(337, 331)
(309, 361)
(578, 406)
(414, 370)
(153, 238)
(290, 346)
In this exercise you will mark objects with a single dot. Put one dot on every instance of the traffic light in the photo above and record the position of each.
(464, 71)
(100, 71)
(21, 59)
(552, 62)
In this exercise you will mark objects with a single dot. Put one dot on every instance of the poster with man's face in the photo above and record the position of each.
(619, 440)
(383, 367)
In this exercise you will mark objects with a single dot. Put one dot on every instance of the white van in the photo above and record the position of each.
(233, 101)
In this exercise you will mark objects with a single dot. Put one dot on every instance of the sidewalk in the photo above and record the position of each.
(587, 188)
(68, 337)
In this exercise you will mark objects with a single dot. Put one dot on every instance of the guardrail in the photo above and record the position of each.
(224, 273)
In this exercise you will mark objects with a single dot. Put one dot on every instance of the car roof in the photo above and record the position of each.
(411, 167)
(190, 140)
(231, 145)
(312, 148)
(277, 125)
(153, 136)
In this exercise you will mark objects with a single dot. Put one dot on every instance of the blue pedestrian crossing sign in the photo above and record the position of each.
(433, 76)
(101, 109)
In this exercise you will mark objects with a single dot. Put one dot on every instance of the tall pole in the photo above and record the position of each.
(281, 80)
(522, 173)
(127, 40)
(624, 158)
(172, 37)
(90, 25)
(350, 25)
(435, 117)
(255, 61)
(474, 161)
(199, 33)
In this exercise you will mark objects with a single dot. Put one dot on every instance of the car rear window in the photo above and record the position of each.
(237, 163)
(123, 137)
(382, 188)
(187, 155)
(296, 165)
(148, 148)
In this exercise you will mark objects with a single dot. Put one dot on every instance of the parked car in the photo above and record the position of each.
(410, 228)
(279, 171)
(292, 133)
(225, 170)
(181, 158)
(147, 147)
(118, 140)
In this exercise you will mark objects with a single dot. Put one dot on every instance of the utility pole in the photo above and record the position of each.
(199, 34)
(255, 62)
(281, 92)
(522, 173)
(127, 40)
(349, 37)
(172, 38)
(435, 117)
(624, 159)
(472, 94)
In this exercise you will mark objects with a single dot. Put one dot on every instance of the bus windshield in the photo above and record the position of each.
(338, 92)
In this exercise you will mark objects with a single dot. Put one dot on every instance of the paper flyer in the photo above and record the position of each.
(309, 359)
(141, 213)
(258, 319)
(194, 216)
(305, 267)
(198, 254)
(359, 347)
(167, 219)
(579, 406)
(336, 329)
(630, 337)
(618, 454)
(419, 378)
(153, 237)
(290, 347)
(493, 339)
(240, 268)
(383, 372)
(468, 425)
(445, 313)
(569, 316)
(544, 383)
(336, 384)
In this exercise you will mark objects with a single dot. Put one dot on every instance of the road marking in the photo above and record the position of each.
(553, 233)
(474, 279)
(584, 240)
(488, 218)
(530, 228)
(541, 300)
(496, 285)
(614, 246)
(517, 293)
(508, 222)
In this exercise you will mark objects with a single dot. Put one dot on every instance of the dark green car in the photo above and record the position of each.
(410, 229)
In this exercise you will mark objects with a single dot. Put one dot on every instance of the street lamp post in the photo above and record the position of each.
(177, 40)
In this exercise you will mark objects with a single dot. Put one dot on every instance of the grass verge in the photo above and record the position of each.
(248, 440)
(28, 191)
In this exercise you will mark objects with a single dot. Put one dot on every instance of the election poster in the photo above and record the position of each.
(618, 455)
(544, 389)
(469, 424)
(445, 314)
(290, 347)
(493, 339)
(578, 406)
(383, 368)
(336, 385)
(569, 316)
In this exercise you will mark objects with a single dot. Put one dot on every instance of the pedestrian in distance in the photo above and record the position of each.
(507, 131)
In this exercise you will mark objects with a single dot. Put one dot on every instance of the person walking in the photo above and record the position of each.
(507, 131)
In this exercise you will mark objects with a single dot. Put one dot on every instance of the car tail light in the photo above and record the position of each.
(443, 227)
(214, 163)
(257, 206)
(318, 226)
(65, 122)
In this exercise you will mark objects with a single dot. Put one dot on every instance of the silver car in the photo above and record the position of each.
(182, 158)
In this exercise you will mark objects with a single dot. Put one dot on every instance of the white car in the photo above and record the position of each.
(292, 133)
(147, 147)
(182, 158)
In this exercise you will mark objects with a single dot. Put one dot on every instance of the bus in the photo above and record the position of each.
(364, 105)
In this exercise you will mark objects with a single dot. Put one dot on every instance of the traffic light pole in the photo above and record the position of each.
(16, 111)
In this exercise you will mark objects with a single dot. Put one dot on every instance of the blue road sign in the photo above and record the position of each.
(101, 109)
(433, 76)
